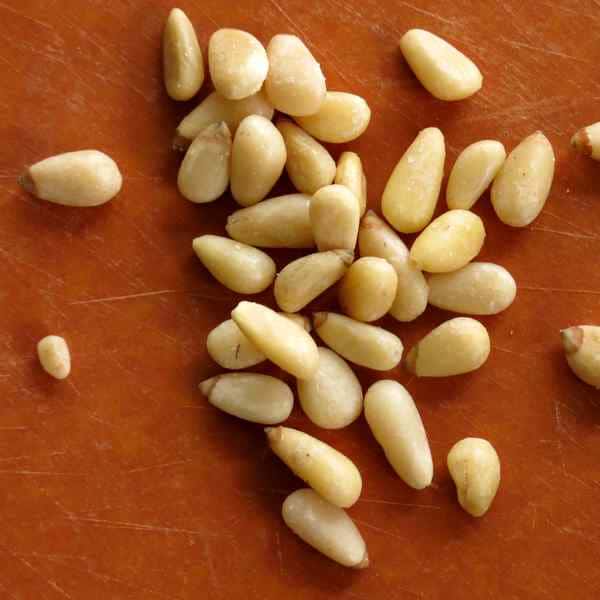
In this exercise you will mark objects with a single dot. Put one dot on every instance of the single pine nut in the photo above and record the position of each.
(281, 341)
(396, 424)
(587, 141)
(375, 238)
(237, 266)
(444, 71)
(238, 63)
(341, 118)
(480, 288)
(204, 172)
(282, 222)
(521, 188)
(457, 346)
(295, 84)
(412, 191)
(54, 356)
(350, 173)
(334, 217)
(304, 279)
(250, 396)
(360, 343)
(368, 289)
(333, 398)
(473, 171)
(325, 527)
(258, 156)
(582, 349)
(449, 242)
(475, 468)
(309, 165)
(81, 178)
(183, 67)
(331, 474)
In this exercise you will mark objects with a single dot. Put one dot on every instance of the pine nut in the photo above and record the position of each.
(587, 141)
(582, 349)
(350, 173)
(334, 217)
(54, 356)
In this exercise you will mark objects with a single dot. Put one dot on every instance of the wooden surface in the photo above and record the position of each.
(122, 482)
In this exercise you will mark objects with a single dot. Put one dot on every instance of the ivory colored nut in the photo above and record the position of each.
(325, 527)
(295, 84)
(397, 426)
(444, 71)
(350, 173)
(457, 346)
(472, 173)
(237, 266)
(521, 188)
(368, 289)
(333, 398)
(475, 468)
(54, 356)
(582, 349)
(258, 156)
(331, 474)
(412, 191)
(449, 242)
(82, 178)
(238, 63)
(587, 141)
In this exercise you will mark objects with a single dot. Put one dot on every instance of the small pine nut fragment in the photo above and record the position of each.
(475, 468)
(341, 118)
(480, 288)
(412, 191)
(258, 156)
(183, 68)
(237, 266)
(350, 173)
(279, 339)
(360, 343)
(325, 527)
(368, 289)
(295, 84)
(521, 188)
(309, 165)
(82, 178)
(304, 279)
(472, 173)
(204, 172)
(396, 424)
(587, 141)
(250, 396)
(458, 346)
(333, 398)
(444, 71)
(331, 474)
(54, 356)
(449, 242)
(582, 349)
(334, 218)
(238, 63)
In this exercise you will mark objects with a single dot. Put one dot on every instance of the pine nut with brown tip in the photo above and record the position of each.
(587, 141)
(582, 349)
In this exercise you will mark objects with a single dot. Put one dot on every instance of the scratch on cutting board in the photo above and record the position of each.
(569, 223)
(126, 297)
(279, 554)
(579, 236)
(427, 13)
(160, 466)
(379, 529)
(516, 44)
(404, 504)
(24, 16)
(108, 524)
(559, 290)
(212, 574)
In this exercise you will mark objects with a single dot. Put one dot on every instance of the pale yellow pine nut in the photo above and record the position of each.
(587, 141)
(350, 173)
(55, 358)
(582, 350)
(334, 217)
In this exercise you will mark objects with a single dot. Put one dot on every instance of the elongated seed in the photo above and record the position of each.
(582, 349)
(295, 84)
(396, 424)
(237, 266)
(250, 396)
(334, 217)
(473, 171)
(350, 173)
(325, 527)
(475, 468)
(55, 358)
(331, 474)
(280, 340)
(282, 222)
(258, 156)
(521, 188)
(587, 141)
(204, 172)
(304, 279)
(368, 289)
(444, 71)
(449, 242)
(82, 178)
(333, 398)
(457, 346)
(412, 191)
(360, 343)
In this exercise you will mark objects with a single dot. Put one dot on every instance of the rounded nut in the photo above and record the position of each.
(54, 356)
(350, 173)
(587, 141)
(582, 350)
